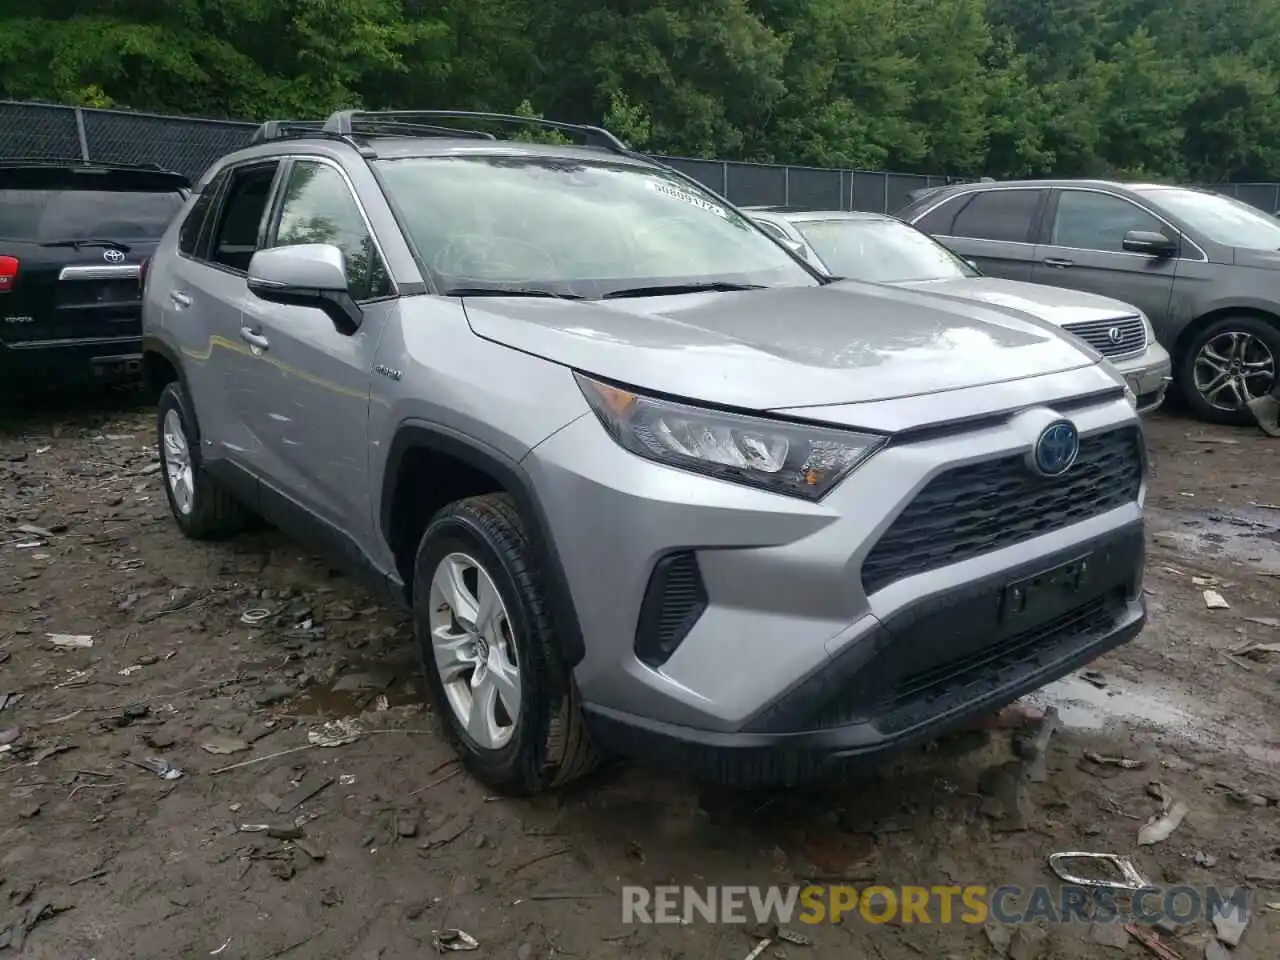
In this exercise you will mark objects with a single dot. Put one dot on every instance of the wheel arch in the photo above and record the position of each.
(477, 468)
(1189, 332)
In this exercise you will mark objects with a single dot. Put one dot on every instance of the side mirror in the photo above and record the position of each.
(306, 275)
(1150, 242)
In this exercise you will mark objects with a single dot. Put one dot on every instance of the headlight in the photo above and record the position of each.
(788, 458)
(1146, 325)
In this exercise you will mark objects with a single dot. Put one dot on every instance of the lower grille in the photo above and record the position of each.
(1112, 338)
(673, 602)
(982, 507)
(902, 701)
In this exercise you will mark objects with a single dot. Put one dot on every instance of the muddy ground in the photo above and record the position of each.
(102, 857)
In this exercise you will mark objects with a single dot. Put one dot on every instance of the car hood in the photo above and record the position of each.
(845, 342)
(1058, 305)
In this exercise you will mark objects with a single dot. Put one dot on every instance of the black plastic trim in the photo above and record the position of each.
(656, 642)
(516, 482)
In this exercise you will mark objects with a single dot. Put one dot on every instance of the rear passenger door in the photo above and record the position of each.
(204, 298)
(993, 228)
(1082, 249)
(213, 291)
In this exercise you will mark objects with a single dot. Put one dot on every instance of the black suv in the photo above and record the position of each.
(74, 238)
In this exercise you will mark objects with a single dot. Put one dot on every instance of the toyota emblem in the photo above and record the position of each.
(112, 255)
(1115, 334)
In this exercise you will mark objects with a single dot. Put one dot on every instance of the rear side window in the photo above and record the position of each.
(242, 215)
(193, 225)
(998, 215)
(44, 214)
(940, 219)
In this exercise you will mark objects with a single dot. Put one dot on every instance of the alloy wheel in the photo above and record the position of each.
(1233, 368)
(474, 650)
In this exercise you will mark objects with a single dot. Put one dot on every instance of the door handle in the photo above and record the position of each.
(179, 298)
(254, 338)
(1058, 262)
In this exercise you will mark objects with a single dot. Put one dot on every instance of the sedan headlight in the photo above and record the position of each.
(794, 459)
(1146, 325)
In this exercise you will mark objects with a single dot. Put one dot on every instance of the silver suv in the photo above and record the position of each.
(650, 484)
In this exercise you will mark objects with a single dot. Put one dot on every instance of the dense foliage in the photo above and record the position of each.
(1167, 88)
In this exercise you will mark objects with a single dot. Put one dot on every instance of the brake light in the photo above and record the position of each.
(8, 273)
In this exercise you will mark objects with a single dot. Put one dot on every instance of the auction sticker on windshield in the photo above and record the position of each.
(677, 194)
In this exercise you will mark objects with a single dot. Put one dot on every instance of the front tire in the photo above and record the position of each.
(1228, 363)
(202, 508)
(489, 653)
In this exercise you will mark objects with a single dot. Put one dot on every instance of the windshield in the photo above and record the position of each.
(575, 227)
(881, 251)
(1221, 219)
(41, 216)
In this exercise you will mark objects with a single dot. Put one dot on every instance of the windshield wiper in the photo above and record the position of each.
(77, 244)
(673, 289)
(508, 292)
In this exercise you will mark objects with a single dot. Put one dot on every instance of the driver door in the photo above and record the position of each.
(312, 378)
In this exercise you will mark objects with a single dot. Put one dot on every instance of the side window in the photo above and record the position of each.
(318, 208)
(940, 220)
(1098, 221)
(998, 215)
(235, 236)
(193, 226)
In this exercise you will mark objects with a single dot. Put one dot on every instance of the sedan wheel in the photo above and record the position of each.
(1233, 368)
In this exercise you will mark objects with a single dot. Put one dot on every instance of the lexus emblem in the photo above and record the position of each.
(1115, 334)
(112, 255)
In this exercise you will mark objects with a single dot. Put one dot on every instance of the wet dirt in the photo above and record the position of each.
(309, 720)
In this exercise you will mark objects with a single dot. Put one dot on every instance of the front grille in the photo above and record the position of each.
(1112, 338)
(982, 507)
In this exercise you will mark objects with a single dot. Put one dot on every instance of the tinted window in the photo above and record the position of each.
(881, 251)
(1097, 221)
(585, 227)
(40, 215)
(193, 225)
(1222, 219)
(998, 215)
(939, 220)
(235, 237)
(318, 208)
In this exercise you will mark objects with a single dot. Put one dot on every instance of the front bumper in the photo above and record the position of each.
(934, 665)
(1148, 376)
(778, 594)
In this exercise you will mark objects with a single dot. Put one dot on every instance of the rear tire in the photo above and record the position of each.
(489, 653)
(202, 508)
(1243, 350)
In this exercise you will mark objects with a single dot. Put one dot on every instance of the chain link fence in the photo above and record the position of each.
(189, 145)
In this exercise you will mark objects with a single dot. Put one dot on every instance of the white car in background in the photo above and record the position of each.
(880, 249)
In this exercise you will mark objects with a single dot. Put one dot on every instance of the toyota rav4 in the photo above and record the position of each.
(650, 483)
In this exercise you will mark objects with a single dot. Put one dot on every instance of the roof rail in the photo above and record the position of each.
(418, 123)
(284, 129)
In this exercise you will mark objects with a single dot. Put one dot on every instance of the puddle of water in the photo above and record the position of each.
(357, 689)
(1249, 535)
(1083, 706)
